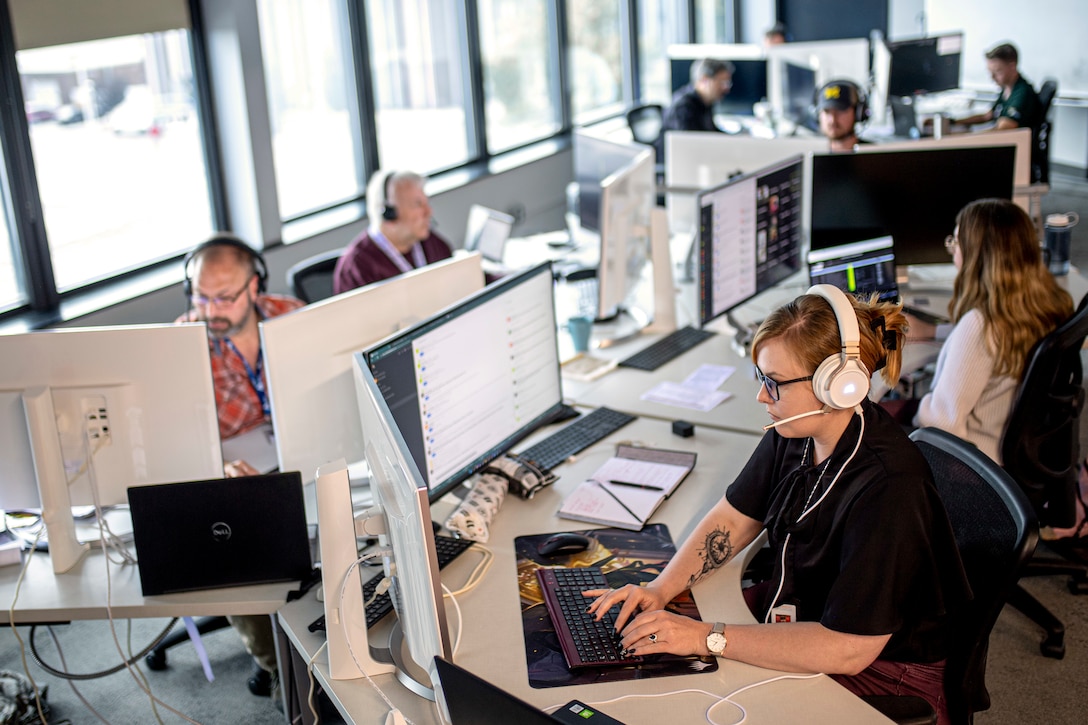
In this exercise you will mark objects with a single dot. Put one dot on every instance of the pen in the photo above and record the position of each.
(637, 485)
(621, 503)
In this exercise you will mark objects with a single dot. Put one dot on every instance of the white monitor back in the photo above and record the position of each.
(697, 160)
(308, 357)
(155, 382)
(627, 198)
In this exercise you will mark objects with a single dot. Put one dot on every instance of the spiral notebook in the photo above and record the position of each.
(629, 487)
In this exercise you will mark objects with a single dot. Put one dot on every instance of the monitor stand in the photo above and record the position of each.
(409, 674)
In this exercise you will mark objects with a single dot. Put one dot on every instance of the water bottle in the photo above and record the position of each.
(1059, 228)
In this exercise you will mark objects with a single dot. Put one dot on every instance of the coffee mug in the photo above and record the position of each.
(580, 329)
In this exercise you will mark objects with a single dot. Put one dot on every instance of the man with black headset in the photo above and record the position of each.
(841, 105)
(224, 283)
(399, 238)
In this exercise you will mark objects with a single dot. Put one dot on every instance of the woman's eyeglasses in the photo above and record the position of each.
(950, 243)
(772, 385)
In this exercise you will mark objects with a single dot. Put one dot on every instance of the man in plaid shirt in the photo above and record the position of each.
(226, 291)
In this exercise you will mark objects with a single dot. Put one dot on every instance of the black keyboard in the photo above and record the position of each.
(672, 345)
(447, 548)
(586, 642)
(576, 437)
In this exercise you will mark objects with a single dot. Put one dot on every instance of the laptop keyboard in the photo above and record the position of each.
(672, 345)
(585, 641)
(576, 437)
(448, 549)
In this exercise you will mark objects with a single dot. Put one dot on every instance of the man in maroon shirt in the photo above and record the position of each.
(399, 238)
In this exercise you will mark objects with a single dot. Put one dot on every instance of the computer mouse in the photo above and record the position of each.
(562, 544)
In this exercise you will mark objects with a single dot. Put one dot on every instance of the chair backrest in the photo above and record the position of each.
(645, 122)
(1041, 444)
(1040, 151)
(311, 279)
(996, 532)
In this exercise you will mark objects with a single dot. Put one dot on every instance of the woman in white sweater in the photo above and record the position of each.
(1003, 301)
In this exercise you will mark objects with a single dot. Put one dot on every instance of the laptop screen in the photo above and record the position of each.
(487, 232)
(858, 268)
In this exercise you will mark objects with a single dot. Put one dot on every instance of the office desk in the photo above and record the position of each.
(82, 594)
(492, 643)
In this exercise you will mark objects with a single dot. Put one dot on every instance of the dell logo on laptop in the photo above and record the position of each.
(221, 531)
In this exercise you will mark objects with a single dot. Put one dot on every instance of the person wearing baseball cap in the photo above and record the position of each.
(841, 105)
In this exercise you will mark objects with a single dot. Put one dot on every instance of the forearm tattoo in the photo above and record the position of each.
(716, 551)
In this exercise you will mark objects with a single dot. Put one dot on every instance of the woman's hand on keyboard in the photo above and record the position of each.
(634, 598)
(658, 632)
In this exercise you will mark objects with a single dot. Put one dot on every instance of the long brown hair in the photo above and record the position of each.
(1003, 277)
(807, 326)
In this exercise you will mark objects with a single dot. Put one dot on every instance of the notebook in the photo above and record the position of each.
(487, 232)
(857, 268)
(471, 700)
(220, 533)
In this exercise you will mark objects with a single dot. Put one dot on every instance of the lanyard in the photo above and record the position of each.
(418, 258)
(255, 377)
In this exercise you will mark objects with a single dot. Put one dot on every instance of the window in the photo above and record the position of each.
(11, 293)
(118, 152)
(595, 58)
(714, 22)
(316, 140)
(521, 83)
(655, 27)
(420, 81)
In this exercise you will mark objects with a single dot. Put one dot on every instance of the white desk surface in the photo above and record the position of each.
(493, 647)
(82, 594)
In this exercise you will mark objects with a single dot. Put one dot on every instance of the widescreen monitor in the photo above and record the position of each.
(402, 495)
(627, 199)
(914, 196)
(749, 84)
(308, 357)
(120, 406)
(924, 65)
(466, 385)
(750, 236)
(595, 159)
(859, 268)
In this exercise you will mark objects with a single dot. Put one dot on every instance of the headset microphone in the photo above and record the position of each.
(822, 411)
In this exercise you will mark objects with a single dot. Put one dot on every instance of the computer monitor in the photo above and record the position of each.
(924, 65)
(402, 496)
(799, 93)
(112, 406)
(749, 83)
(469, 383)
(914, 196)
(487, 231)
(859, 268)
(308, 357)
(750, 236)
(595, 159)
(696, 161)
(627, 198)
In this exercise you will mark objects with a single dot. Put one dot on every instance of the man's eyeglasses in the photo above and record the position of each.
(772, 385)
(950, 243)
(220, 300)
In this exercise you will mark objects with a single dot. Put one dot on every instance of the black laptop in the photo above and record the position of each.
(220, 533)
(473, 701)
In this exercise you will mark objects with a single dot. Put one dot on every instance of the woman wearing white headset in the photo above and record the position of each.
(866, 566)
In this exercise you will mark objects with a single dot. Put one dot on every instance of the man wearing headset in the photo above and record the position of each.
(224, 281)
(866, 567)
(841, 106)
(399, 238)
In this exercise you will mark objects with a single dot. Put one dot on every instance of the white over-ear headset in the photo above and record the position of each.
(841, 381)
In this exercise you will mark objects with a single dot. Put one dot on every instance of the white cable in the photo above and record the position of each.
(310, 675)
(460, 620)
(477, 575)
(11, 622)
(71, 683)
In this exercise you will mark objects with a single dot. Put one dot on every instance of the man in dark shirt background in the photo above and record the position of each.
(692, 107)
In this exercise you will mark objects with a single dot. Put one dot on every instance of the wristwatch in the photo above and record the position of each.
(716, 641)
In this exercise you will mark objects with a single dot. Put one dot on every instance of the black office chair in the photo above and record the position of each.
(1041, 451)
(645, 122)
(1040, 149)
(996, 532)
(311, 279)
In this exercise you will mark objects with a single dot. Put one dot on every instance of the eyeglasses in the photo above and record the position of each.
(220, 300)
(950, 243)
(772, 385)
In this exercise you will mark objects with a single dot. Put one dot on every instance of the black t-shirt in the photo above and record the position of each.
(687, 113)
(877, 555)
